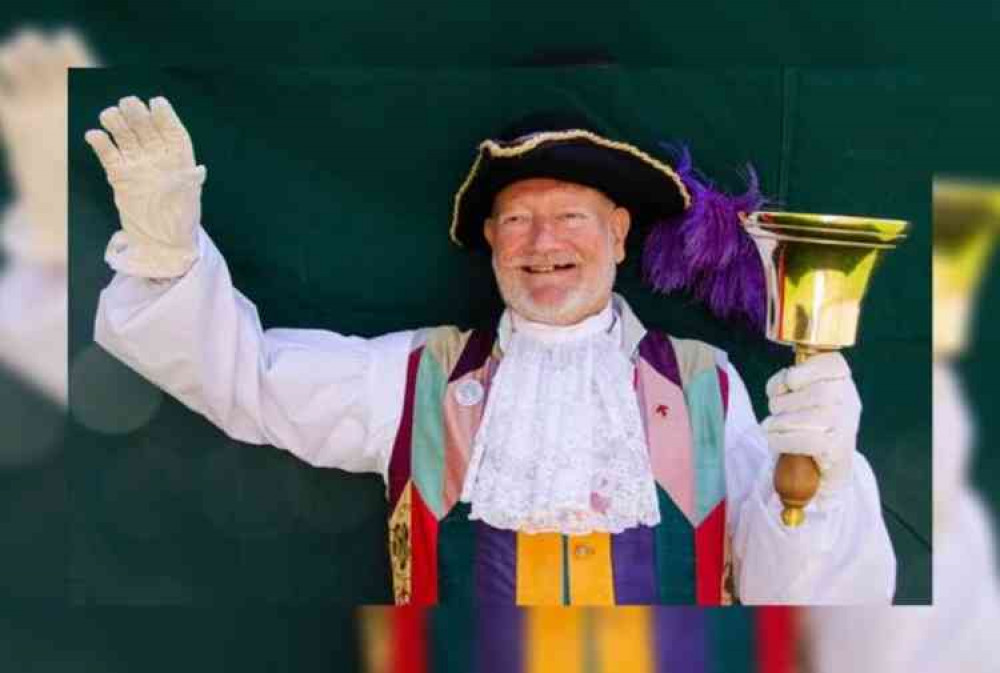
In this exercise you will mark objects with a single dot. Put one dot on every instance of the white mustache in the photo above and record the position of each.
(542, 260)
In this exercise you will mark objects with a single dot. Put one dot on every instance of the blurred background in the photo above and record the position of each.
(933, 121)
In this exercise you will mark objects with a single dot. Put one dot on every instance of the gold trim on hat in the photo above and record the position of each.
(534, 140)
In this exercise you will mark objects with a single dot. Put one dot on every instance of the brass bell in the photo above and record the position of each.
(817, 270)
(966, 223)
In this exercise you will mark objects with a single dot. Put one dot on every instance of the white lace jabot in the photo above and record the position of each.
(604, 321)
(561, 447)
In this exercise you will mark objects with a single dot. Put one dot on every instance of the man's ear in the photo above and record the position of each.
(488, 230)
(621, 220)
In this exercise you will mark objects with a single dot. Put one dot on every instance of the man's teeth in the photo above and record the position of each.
(548, 268)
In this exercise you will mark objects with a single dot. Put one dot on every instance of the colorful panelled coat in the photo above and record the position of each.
(661, 639)
(439, 555)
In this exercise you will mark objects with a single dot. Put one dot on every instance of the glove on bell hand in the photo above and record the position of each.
(157, 188)
(816, 411)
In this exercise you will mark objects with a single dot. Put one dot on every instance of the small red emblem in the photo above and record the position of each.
(662, 409)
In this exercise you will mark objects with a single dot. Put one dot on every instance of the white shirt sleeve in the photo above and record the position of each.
(841, 555)
(332, 400)
(33, 303)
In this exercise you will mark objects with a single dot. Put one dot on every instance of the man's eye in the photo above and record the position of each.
(572, 216)
(513, 219)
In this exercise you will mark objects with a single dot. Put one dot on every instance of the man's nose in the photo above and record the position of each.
(544, 235)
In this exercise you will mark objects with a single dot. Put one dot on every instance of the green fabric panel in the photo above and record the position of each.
(428, 433)
(451, 638)
(731, 638)
(708, 441)
(446, 343)
(693, 358)
(675, 562)
(457, 557)
(565, 570)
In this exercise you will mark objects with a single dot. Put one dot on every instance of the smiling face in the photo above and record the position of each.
(555, 246)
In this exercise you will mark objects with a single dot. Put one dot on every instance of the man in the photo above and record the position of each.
(565, 455)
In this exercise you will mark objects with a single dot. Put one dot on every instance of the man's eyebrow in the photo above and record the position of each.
(497, 212)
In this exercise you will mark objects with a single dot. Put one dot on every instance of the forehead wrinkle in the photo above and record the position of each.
(533, 190)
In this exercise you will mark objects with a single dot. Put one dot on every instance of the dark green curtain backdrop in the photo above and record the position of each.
(329, 193)
(506, 32)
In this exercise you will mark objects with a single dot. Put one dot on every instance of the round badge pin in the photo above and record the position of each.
(469, 393)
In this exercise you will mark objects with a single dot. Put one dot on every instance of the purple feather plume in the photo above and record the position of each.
(706, 251)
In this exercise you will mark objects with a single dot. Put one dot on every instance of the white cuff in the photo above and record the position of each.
(147, 260)
(31, 242)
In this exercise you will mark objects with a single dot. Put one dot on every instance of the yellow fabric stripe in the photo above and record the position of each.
(590, 580)
(624, 640)
(554, 640)
(539, 569)
(400, 548)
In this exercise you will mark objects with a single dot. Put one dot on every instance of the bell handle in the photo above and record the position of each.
(796, 477)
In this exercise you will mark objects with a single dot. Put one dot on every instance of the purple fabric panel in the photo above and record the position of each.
(477, 350)
(500, 639)
(496, 565)
(680, 639)
(633, 568)
(400, 461)
(656, 349)
(724, 389)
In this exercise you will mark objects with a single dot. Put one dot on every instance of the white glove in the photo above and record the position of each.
(33, 113)
(816, 411)
(157, 188)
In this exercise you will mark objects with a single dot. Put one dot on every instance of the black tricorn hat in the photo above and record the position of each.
(568, 147)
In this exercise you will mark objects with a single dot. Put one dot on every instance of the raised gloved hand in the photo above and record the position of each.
(816, 411)
(157, 187)
(34, 70)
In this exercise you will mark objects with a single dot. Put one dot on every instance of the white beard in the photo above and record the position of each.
(517, 297)
(561, 447)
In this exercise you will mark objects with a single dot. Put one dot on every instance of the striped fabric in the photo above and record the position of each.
(439, 555)
(584, 640)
